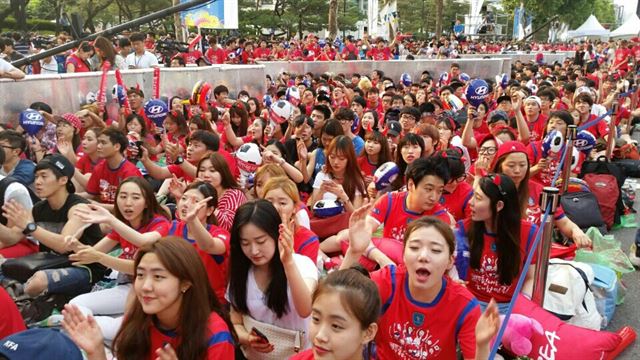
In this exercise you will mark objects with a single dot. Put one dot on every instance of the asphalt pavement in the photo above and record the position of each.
(628, 313)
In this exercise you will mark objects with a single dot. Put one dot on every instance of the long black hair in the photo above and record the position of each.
(408, 139)
(506, 222)
(262, 214)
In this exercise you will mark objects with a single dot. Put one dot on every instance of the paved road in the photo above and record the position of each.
(628, 314)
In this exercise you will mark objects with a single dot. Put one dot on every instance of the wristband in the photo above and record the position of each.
(366, 253)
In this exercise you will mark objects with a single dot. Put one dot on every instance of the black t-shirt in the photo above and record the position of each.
(292, 157)
(55, 220)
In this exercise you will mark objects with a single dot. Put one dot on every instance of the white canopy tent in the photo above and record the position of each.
(629, 29)
(590, 28)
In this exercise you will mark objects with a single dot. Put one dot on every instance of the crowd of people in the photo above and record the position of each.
(139, 50)
(174, 247)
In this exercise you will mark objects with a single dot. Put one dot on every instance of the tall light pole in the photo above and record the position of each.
(344, 18)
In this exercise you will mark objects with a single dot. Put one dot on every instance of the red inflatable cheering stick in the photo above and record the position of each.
(102, 92)
(156, 83)
(127, 106)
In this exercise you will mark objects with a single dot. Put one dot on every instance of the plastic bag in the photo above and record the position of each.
(626, 221)
(606, 251)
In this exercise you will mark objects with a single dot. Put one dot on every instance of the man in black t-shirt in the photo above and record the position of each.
(50, 222)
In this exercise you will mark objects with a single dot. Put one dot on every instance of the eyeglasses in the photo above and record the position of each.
(487, 150)
(8, 147)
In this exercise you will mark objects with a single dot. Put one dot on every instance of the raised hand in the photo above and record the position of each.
(359, 235)
(94, 214)
(193, 211)
(84, 331)
(488, 324)
(286, 241)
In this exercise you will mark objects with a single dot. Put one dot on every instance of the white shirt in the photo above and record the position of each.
(19, 193)
(145, 61)
(256, 299)
(6, 66)
(49, 68)
(317, 183)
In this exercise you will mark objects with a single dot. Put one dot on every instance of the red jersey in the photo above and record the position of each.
(484, 283)
(537, 127)
(457, 203)
(159, 224)
(85, 164)
(216, 265)
(191, 57)
(179, 173)
(621, 60)
(247, 57)
(220, 342)
(599, 130)
(366, 167)
(215, 56)
(534, 212)
(305, 355)
(104, 181)
(79, 65)
(411, 330)
(545, 176)
(262, 53)
(306, 242)
(10, 319)
(377, 54)
(391, 209)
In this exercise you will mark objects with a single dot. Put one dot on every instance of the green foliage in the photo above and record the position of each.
(297, 16)
(38, 25)
(420, 21)
(573, 12)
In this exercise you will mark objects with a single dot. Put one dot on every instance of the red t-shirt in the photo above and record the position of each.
(410, 329)
(484, 283)
(599, 130)
(306, 242)
(215, 56)
(216, 265)
(85, 165)
(262, 53)
(534, 212)
(78, 64)
(10, 319)
(104, 181)
(376, 54)
(159, 224)
(366, 167)
(179, 173)
(305, 355)
(622, 58)
(192, 56)
(457, 203)
(545, 176)
(536, 128)
(391, 209)
(220, 342)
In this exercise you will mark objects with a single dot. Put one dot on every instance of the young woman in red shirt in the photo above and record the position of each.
(174, 314)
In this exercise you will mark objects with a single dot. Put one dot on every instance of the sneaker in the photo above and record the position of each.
(634, 255)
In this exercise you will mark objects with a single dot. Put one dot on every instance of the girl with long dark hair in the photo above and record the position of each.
(268, 282)
(214, 170)
(499, 241)
(197, 224)
(341, 178)
(410, 148)
(174, 314)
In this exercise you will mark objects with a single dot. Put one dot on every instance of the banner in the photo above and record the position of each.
(219, 14)
(390, 20)
(372, 17)
(476, 19)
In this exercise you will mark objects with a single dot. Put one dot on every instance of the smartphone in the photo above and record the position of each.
(139, 146)
(366, 29)
(259, 334)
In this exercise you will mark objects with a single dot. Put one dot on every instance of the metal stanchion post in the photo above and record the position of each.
(572, 130)
(550, 196)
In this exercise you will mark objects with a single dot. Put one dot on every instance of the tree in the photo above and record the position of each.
(333, 18)
(573, 12)
(439, 6)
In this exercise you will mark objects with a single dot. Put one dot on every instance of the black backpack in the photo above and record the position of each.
(4, 184)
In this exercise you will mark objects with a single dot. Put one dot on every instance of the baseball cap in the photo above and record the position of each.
(59, 165)
(534, 99)
(498, 115)
(73, 120)
(393, 128)
(39, 343)
(503, 98)
(509, 147)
